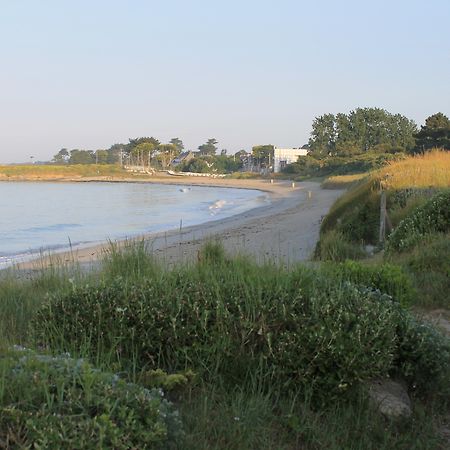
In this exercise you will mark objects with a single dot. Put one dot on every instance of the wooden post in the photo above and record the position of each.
(382, 216)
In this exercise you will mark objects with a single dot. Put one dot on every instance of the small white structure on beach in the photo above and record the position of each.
(284, 156)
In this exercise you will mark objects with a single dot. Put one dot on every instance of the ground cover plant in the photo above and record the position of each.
(240, 323)
(431, 218)
(225, 405)
(60, 402)
(387, 278)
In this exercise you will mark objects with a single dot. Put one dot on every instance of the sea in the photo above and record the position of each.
(41, 217)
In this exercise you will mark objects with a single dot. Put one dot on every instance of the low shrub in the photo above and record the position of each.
(60, 402)
(432, 217)
(340, 165)
(423, 356)
(240, 323)
(387, 278)
(334, 246)
(429, 267)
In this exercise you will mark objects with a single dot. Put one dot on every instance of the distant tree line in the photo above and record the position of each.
(363, 131)
(150, 152)
(365, 139)
(374, 130)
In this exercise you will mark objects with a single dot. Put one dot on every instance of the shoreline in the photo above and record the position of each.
(284, 231)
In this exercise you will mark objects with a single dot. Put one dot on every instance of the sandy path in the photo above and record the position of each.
(285, 231)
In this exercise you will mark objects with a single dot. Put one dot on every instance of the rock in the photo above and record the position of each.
(390, 398)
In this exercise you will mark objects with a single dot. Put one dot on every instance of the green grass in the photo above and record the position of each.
(428, 264)
(226, 406)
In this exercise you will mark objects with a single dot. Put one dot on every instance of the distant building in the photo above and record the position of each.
(284, 156)
(183, 157)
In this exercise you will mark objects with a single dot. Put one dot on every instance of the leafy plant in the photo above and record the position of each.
(388, 278)
(235, 322)
(61, 402)
(432, 217)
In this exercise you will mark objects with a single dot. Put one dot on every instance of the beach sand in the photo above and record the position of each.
(284, 231)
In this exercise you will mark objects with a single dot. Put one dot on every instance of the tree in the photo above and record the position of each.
(81, 157)
(101, 156)
(360, 131)
(115, 153)
(241, 153)
(323, 136)
(263, 154)
(142, 154)
(133, 143)
(178, 144)
(223, 152)
(196, 165)
(61, 157)
(210, 148)
(435, 133)
(166, 153)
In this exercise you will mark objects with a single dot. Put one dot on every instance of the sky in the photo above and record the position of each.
(88, 74)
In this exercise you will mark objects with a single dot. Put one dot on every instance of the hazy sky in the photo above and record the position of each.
(87, 74)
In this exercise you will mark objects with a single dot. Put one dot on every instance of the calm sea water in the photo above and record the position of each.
(37, 217)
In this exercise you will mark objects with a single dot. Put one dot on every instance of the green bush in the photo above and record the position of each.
(60, 402)
(339, 165)
(236, 322)
(423, 356)
(429, 267)
(432, 217)
(388, 278)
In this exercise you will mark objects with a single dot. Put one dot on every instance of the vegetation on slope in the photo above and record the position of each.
(267, 345)
(407, 183)
(417, 193)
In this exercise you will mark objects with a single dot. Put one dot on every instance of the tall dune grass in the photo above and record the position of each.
(429, 170)
(356, 213)
(343, 181)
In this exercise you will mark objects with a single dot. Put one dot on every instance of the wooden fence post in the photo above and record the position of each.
(382, 217)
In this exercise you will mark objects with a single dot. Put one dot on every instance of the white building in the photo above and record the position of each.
(284, 156)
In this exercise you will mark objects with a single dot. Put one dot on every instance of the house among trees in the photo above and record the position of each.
(182, 157)
(284, 156)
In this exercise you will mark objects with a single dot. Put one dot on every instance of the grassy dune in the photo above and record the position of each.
(409, 184)
(358, 210)
(60, 172)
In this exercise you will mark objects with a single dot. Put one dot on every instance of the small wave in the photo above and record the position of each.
(55, 227)
(219, 204)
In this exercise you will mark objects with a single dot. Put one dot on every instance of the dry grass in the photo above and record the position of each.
(356, 213)
(56, 172)
(343, 181)
(429, 170)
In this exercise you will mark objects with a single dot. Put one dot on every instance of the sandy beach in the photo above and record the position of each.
(285, 230)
